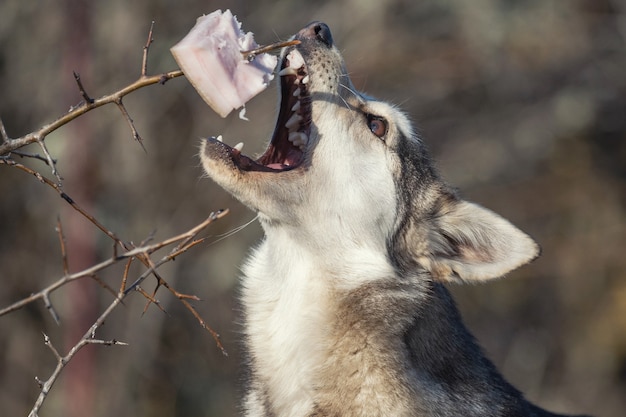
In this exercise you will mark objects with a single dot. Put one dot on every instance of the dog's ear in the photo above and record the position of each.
(470, 243)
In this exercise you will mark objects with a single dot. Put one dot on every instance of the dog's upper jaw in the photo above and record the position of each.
(310, 75)
(291, 136)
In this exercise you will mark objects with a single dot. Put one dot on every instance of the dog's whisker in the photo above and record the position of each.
(344, 101)
(233, 231)
(354, 93)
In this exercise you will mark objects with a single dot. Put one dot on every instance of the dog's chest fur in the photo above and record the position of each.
(315, 339)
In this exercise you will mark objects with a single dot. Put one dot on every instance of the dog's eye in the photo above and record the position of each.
(377, 125)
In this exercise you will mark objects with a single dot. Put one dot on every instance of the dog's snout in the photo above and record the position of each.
(319, 31)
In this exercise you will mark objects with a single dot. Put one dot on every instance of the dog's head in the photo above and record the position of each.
(345, 171)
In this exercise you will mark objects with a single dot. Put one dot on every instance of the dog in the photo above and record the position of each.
(345, 308)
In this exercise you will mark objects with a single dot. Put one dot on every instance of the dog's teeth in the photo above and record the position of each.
(219, 138)
(239, 146)
(305, 79)
(299, 139)
(296, 92)
(295, 59)
(304, 139)
(296, 107)
(293, 122)
(287, 71)
(294, 137)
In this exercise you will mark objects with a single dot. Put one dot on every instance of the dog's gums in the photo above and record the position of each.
(291, 134)
(293, 125)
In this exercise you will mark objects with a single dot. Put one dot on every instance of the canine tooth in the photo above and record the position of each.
(219, 138)
(305, 79)
(287, 71)
(293, 121)
(296, 107)
(295, 59)
(238, 146)
(296, 92)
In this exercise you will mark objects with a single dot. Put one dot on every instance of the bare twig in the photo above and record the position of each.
(59, 228)
(29, 155)
(65, 197)
(3, 133)
(133, 253)
(146, 48)
(186, 247)
(252, 53)
(10, 145)
(104, 285)
(62, 361)
(51, 162)
(83, 93)
(45, 296)
(125, 275)
(131, 123)
(46, 341)
(184, 298)
(151, 300)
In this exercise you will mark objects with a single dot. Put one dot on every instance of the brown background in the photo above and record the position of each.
(523, 103)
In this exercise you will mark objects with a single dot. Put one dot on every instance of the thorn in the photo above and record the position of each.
(81, 89)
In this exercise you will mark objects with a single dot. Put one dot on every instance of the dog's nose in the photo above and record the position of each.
(319, 31)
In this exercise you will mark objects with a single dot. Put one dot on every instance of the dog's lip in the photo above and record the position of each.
(287, 147)
(242, 161)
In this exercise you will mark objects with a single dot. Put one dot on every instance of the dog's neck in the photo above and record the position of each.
(311, 331)
(340, 258)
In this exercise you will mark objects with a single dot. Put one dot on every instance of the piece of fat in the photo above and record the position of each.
(211, 59)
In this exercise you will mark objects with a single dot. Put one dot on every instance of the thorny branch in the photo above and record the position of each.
(143, 251)
(122, 251)
(57, 187)
(187, 240)
(62, 361)
(11, 144)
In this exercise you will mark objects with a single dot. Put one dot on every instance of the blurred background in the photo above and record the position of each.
(523, 104)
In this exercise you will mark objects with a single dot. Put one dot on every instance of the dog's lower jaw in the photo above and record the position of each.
(251, 187)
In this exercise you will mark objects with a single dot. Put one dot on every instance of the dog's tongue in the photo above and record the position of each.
(291, 159)
(210, 56)
(276, 166)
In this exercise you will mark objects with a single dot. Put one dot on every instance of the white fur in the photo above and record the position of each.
(287, 288)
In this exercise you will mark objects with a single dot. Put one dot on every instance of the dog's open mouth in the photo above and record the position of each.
(293, 126)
